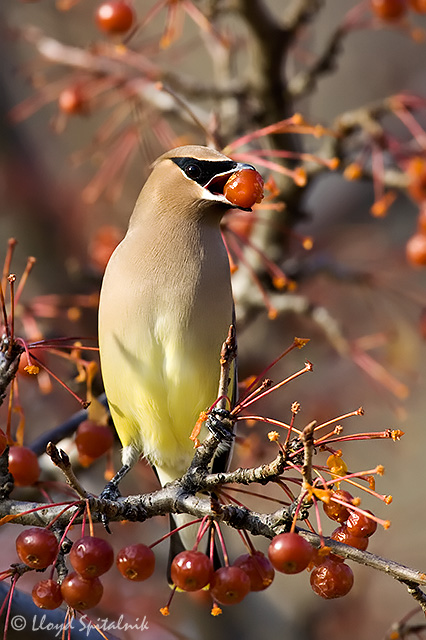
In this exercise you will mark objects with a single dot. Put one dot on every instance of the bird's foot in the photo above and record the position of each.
(220, 425)
(111, 492)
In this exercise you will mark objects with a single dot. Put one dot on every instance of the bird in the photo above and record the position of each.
(165, 310)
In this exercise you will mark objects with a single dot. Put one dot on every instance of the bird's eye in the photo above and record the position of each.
(193, 171)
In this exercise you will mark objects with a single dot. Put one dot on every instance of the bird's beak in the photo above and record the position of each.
(217, 184)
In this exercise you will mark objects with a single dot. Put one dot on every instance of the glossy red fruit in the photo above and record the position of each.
(336, 511)
(80, 593)
(332, 579)
(191, 570)
(93, 439)
(23, 465)
(415, 250)
(290, 553)
(418, 5)
(91, 556)
(71, 101)
(47, 594)
(389, 9)
(244, 188)
(258, 568)
(136, 562)
(229, 585)
(37, 547)
(360, 525)
(115, 17)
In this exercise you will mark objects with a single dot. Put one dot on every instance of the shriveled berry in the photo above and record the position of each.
(47, 594)
(332, 579)
(290, 553)
(136, 562)
(229, 585)
(115, 17)
(37, 547)
(91, 556)
(80, 593)
(258, 568)
(341, 534)
(244, 188)
(191, 570)
(360, 525)
(335, 510)
(23, 465)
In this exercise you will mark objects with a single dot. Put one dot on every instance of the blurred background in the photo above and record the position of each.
(55, 201)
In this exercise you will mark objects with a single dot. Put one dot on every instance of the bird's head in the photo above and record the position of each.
(191, 179)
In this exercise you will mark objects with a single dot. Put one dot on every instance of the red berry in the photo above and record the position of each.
(191, 570)
(71, 101)
(47, 594)
(23, 465)
(37, 547)
(115, 16)
(229, 585)
(3, 441)
(341, 534)
(418, 5)
(136, 562)
(91, 557)
(360, 525)
(336, 511)
(244, 188)
(258, 568)
(93, 440)
(416, 250)
(332, 579)
(80, 593)
(389, 9)
(290, 553)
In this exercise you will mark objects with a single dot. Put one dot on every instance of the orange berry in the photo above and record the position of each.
(418, 5)
(244, 188)
(71, 101)
(416, 169)
(416, 250)
(389, 9)
(114, 17)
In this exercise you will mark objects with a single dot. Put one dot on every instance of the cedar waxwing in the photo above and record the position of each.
(165, 309)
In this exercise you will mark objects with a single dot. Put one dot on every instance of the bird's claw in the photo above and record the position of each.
(220, 424)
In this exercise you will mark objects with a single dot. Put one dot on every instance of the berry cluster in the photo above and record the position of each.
(90, 557)
(228, 585)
